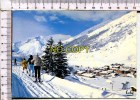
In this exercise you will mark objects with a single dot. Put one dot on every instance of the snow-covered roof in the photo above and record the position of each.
(110, 70)
(130, 75)
(88, 74)
(80, 72)
(124, 69)
(106, 66)
(104, 72)
(115, 66)
(97, 71)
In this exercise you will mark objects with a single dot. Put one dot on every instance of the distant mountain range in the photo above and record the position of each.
(36, 44)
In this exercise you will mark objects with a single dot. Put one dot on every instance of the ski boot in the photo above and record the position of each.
(35, 80)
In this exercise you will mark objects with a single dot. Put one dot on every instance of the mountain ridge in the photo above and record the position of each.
(113, 43)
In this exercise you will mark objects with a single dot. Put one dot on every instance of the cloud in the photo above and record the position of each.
(25, 28)
(56, 19)
(87, 15)
(62, 22)
(40, 18)
(76, 15)
(53, 18)
(92, 15)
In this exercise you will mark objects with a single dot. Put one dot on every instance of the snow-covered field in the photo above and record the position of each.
(23, 86)
(102, 83)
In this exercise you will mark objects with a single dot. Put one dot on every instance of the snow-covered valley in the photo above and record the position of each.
(23, 86)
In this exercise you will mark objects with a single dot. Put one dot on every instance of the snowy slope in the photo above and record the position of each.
(91, 29)
(53, 87)
(85, 32)
(36, 45)
(115, 42)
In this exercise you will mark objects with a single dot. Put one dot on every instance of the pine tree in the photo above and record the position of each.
(48, 57)
(45, 59)
(60, 61)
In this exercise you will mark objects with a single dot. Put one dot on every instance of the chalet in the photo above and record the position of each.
(115, 67)
(133, 70)
(130, 75)
(106, 68)
(103, 73)
(97, 72)
(89, 75)
(125, 70)
(80, 73)
(114, 75)
(110, 71)
(89, 70)
(135, 75)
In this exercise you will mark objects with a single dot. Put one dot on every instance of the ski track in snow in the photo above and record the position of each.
(35, 88)
(19, 91)
(44, 89)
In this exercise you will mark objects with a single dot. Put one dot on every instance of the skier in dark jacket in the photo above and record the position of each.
(15, 61)
(31, 66)
(37, 66)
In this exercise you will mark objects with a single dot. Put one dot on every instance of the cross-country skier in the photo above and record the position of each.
(24, 65)
(37, 66)
(31, 66)
(15, 61)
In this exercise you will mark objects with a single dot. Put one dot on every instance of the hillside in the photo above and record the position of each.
(115, 42)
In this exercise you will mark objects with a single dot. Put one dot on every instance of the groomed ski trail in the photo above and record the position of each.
(53, 87)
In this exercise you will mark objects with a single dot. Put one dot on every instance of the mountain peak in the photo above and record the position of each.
(36, 44)
(40, 37)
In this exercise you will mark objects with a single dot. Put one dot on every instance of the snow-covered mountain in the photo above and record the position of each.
(114, 42)
(36, 44)
(33, 46)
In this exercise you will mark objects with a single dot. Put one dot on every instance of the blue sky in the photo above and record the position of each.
(27, 24)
